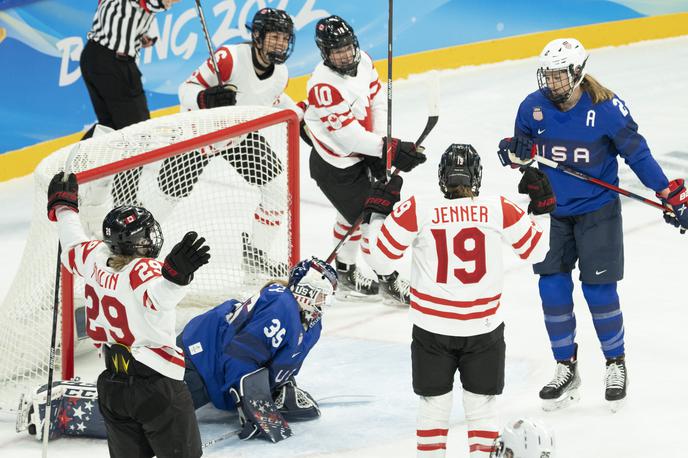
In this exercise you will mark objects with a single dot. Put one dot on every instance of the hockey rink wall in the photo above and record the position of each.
(45, 104)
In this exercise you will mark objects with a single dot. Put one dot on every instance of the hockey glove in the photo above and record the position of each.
(383, 196)
(536, 184)
(294, 403)
(62, 193)
(377, 167)
(185, 259)
(678, 200)
(405, 155)
(516, 151)
(217, 96)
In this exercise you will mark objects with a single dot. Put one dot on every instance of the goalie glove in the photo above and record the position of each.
(294, 403)
(62, 193)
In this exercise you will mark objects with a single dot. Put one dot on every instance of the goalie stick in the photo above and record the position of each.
(433, 111)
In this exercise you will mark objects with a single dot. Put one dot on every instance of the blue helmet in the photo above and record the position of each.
(312, 281)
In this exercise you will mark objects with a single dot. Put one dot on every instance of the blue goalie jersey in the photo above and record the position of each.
(587, 138)
(235, 338)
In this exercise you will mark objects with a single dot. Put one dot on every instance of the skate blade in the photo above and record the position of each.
(567, 399)
(615, 406)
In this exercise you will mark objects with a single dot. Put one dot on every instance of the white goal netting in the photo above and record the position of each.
(240, 193)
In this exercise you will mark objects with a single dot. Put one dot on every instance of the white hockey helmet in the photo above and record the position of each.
(524, 438)
(562, 68)
(312, 282)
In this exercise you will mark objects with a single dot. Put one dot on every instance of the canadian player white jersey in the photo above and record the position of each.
(346, 115)
(135, 306)
(236, 67)
(457, 272)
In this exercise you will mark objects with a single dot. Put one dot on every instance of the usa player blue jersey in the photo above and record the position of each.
(587, 138)
(234, 339)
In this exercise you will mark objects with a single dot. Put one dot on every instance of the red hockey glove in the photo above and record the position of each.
(62, 193)
(678, 200)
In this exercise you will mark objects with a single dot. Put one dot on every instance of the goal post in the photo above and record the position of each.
(231, 174)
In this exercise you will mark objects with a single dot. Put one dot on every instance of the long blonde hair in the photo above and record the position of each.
(458, 192)
(118, 262)
(597, 92)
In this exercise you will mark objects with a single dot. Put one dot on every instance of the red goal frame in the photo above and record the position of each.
(292, 121)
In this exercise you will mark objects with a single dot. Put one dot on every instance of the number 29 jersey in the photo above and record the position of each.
(135, 306)
(457, 272)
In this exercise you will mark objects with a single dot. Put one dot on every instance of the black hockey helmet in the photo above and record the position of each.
(459, 166)
(132, 231)
(333, 33)
(272, 20)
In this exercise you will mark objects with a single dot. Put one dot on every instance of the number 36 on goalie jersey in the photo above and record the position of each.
(457, 271)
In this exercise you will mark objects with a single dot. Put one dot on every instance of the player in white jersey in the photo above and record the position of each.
(251, 74)
(130, 315)
(346, 117)
(456, 287)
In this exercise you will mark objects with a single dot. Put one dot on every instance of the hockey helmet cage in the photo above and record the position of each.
(524, 438)
(312, 281)
(333, 33)
(459, 166)
(272, 20)
(562, 68)
(132, 231)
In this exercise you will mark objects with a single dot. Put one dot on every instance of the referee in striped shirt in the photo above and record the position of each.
(108, 63)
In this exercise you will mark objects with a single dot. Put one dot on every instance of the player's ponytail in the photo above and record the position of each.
(595, 90)
(119, 262)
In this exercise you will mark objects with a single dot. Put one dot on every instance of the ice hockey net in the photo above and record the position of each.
(230, 174)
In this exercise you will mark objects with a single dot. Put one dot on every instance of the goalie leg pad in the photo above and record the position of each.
(295, 404)
(258, 414)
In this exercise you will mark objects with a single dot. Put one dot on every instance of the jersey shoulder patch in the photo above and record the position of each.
(511, 212)
(324, 95)
(405, 214)
(144, 270)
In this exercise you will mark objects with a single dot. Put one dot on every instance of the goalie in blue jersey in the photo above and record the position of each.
(576, 121)
(239, 356)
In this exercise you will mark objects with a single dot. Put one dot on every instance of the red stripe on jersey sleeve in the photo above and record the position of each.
(375, 87)
(532, 246)
(511, 212)
(88, 248)
(144, 270)
(390, 238)
(201, 80)
(405, 215)
(72, 261)
(386, 251)
(166, 356)
(324, 95)
(523, 239)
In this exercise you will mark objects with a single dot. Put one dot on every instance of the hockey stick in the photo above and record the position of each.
(204, 26)
(582, 176)
(390, 21)
(224, 436)
(433, 110)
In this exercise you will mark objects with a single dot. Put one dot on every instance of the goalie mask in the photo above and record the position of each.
(338, 45)
(459, 166)
(562, 68)
(132, 231)
(524, 438)
(312, 282)
(276, 47)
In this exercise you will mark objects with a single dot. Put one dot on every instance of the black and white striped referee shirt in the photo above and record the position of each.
(119, 24)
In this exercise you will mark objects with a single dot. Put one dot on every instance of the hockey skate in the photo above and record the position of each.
(354, 285)
(256, 260)
(395, 288)
(616, 381)
(562, 390)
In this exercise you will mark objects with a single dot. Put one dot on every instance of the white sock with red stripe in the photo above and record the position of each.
(481, 417)
(266, 222)
(433, 425)
(348, 252)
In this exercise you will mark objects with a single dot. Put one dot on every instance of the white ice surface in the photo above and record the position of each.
(362, 363)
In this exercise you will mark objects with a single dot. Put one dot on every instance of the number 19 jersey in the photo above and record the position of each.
(457, 271)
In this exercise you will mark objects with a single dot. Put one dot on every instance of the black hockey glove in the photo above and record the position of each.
(62, 193)
(377, 167)
(185, 259)
(405, 155)
(383, 196)
(536, 184)
(678, 200)
(217, 96)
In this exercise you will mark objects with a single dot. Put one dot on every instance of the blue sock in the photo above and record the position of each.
(556, 292)
(603, 302)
